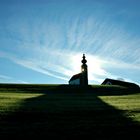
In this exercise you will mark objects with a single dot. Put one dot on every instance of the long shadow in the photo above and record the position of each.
(64, 114)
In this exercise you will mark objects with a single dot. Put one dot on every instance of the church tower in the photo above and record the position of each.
(82, 77)
(84, 72)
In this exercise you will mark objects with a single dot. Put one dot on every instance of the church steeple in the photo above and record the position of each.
(84, 61)
(84, 71)
(82, 77)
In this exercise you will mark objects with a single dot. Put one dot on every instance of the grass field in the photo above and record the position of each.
(65, 112)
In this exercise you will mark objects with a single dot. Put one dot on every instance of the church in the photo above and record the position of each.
(81, 78)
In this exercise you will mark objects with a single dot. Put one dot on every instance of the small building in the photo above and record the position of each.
(81, 78)
(75, 79)
(108, 81)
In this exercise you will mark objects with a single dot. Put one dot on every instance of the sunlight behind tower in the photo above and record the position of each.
(95, 67)
(82, 77)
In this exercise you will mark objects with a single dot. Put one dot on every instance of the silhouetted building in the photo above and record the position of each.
(81, 78)
(108, 81)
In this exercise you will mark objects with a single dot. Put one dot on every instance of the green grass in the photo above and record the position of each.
(11, 102)
(63, 111)
(129, 104)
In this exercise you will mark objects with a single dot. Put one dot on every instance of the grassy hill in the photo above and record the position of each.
(63, 111)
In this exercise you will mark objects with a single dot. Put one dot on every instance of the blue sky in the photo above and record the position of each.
(42, 41)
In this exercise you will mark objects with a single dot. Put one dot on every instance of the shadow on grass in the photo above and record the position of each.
(98, 90)
(75, 113)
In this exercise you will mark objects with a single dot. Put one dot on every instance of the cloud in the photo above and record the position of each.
(62, 71)
(8, 79)
(31, 64)
(5, 77)
(54, 45)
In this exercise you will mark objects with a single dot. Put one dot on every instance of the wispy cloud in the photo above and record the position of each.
(33, 64)
(54, 45)
(98, 68)
(8, 79)
(5, 77)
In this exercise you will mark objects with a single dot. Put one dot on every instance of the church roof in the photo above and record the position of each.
(120, 83)
(76, 76)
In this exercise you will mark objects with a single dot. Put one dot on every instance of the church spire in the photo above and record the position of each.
(84, 71)
(84, 61)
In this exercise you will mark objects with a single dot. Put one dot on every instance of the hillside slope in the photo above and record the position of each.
(62, 111)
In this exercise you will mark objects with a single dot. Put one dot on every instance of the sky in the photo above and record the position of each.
(42, 41)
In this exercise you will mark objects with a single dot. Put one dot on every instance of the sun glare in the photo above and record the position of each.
(95, 65)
